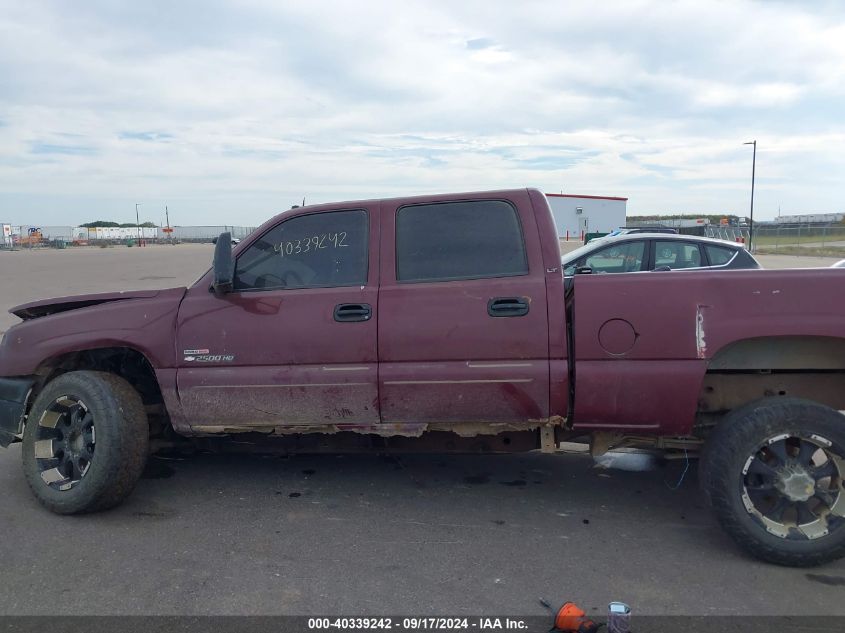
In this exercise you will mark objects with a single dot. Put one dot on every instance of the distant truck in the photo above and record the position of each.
(442, 323)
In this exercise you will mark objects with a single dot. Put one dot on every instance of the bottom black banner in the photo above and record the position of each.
(486, 623)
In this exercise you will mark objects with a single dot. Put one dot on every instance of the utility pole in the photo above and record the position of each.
(753, 169)
(138, 222)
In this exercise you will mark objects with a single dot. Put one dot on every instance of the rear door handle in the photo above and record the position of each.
(508, 306)
(350, 312)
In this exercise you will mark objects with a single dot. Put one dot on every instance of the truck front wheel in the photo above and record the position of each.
(774, 477)
(85, 443)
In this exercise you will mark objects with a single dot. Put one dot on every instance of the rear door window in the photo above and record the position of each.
(675, 254)
(474, 239)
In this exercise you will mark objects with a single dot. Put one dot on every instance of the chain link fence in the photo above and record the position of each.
(808, 239)
(730, 233)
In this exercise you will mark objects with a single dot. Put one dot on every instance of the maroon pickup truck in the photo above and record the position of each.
(443, 322)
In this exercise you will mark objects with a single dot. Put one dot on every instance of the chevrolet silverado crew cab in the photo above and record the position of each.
(442, 322)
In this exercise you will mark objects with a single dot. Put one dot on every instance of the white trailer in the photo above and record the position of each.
(810, 218)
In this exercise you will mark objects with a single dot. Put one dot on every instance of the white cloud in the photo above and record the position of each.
(220, 105)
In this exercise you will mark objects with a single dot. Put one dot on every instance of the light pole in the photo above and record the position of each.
(753, 169)
(138, 222)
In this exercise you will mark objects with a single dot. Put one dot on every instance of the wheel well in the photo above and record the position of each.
(781, 353)
(128, 363)
(809, 367)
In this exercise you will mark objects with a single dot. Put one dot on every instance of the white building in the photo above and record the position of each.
(586, 214)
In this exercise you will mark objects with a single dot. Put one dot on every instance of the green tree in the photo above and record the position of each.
(98, 223)
(104, 223)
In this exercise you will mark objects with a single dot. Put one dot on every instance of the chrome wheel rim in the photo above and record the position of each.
(792, 486)
(65, 442)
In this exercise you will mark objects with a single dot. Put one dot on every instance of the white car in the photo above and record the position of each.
(634, 252)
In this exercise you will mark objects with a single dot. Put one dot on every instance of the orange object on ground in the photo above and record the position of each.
(572, 619)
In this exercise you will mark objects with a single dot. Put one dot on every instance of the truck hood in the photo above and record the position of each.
(45, 307)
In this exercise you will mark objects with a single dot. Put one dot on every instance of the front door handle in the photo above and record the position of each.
(508, 306)
(351, 312)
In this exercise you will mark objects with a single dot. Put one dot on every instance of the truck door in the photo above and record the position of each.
(463, 328)
(295, 343)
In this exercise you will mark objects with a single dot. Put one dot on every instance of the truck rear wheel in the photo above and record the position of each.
(774, 477)
(85, 443)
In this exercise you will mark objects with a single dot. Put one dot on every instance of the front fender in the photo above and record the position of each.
(147, 325)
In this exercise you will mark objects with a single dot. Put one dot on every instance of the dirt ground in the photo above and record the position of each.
(43, 273)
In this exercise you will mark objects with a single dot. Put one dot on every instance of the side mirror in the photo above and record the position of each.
(662, 269)
(583, 270)
(224, 265)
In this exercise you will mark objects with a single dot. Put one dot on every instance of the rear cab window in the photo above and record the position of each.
(474, 239)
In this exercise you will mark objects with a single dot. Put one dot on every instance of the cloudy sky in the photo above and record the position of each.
(228, 111)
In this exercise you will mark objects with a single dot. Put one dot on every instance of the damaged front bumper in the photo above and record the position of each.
(13, 395)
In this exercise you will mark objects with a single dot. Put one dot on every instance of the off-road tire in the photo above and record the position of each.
(122, 442)
(737, 437)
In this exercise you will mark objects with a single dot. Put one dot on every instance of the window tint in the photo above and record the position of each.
(617, 258)
(676, 255)
(310, 251)
(459, 240)
(719, 255)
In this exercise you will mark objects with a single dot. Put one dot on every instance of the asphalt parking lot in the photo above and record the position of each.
(425, 534)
